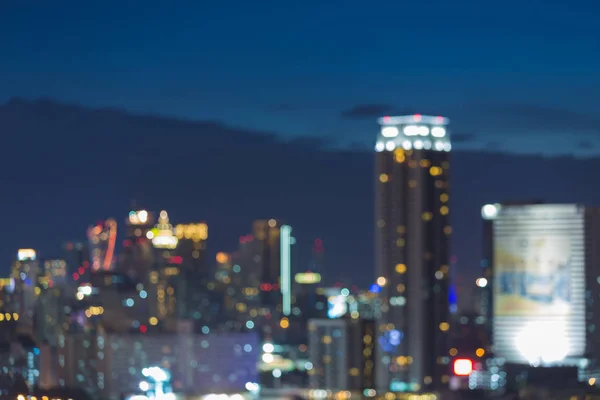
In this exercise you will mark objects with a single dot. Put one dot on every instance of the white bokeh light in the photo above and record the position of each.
(543, 342)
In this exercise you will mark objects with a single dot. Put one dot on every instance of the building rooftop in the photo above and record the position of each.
(413, 119)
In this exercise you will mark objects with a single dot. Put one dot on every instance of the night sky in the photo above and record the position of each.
(514, 78)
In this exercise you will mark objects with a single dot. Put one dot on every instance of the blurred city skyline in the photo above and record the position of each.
(229, 177)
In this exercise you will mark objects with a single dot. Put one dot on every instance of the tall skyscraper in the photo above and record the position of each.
(138, 251)
(412, 252)
(542, 272)
(341, 352)
(102, 240)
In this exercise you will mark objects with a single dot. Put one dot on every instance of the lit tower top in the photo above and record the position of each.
(413, 132)
(162, 235)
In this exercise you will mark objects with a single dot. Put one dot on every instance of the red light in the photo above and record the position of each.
(417, 117)
(75, 276)
(86, 264)
(143, 328)
(242, 239)
(386, 118)
(81, 270)
(249, 237)
(463, 367)
(176, 260)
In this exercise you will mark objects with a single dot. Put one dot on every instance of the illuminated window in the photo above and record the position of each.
(400, 242)
(327, 359)
(390, 327)
(444, 269)
(444, 197)
(480, 352)
(445, 378)
(381, 223)
(439, 184)
(453, 352)
(400, 288)
(326, 339)
(381, 281)
(427, 380)
(400, 268)
(399, 155)
(435, 171)
(383, 178)
(412, 183)
(444, 326)
(448, 230)
(401, 360)
(424, 163)
(401, 229)
(426, 216)
(444, 210)
(354, 372)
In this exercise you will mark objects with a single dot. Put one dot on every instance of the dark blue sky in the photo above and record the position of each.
(507, 74)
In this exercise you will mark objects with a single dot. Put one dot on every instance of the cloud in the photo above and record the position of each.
(518, 118)
(364, 111)
(462, 137)
(585, 145)
(493, 146)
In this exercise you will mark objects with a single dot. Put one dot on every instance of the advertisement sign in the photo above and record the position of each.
(533, 275)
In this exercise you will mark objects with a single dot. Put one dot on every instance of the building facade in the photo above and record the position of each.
(110, 365)
(342, 354)
(412, 252)
(102, 239)
(543, 283)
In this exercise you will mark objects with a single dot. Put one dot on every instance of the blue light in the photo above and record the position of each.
(452, 297)
(249, 324)
(36, 351)
(143, 294)
(375, 288)
(395, 337)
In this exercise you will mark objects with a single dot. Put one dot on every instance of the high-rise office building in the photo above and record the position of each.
(25, 272)
(102, 239)
(543, 283)
(138, 251)
(342, 354)
(412, 252)
(194, 274)
(77, 256)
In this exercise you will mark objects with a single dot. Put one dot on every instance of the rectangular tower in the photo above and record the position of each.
(412, 252)
(341, 354)
(544, 283)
